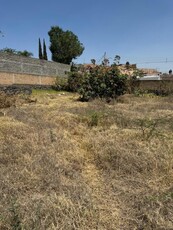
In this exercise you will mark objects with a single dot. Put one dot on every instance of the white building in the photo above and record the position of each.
(150, 78)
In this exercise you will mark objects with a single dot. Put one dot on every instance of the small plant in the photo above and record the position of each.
(93, 119)
(148, 128)
(15, 223)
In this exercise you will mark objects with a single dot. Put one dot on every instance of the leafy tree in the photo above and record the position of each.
(127, 63)
(24, 53)
(93, 61)
(170, 71)
(40, 54)
(8, 50)
(44, 50)
(117, 60)
(64, 46)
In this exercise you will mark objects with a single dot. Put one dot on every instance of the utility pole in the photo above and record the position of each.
(105, 60)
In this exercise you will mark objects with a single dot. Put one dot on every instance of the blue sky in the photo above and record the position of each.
(139, 31)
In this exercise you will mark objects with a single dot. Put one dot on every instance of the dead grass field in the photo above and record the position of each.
(70, 165)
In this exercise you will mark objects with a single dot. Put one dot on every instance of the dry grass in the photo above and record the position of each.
(7, 101)
(70, 165)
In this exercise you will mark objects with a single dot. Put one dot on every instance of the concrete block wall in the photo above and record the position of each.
(25, 79)
(157, 86)
(15, 69)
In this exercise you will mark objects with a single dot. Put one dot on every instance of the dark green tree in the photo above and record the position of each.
(24, 53)
(117, 60)
(40, 54)
(64, 45)
(44, 50)
(8, 50)
(93, 61)
(127, 63)
(170, 71)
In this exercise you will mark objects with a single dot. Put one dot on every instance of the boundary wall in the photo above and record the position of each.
(16, 69)
(25, 79)
(154, 86)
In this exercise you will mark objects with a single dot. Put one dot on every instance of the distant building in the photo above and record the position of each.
(150, 78)
(123, 68)
(127, 69)
(150, 75)
(150, 72)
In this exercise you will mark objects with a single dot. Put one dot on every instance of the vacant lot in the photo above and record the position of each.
(70, 165)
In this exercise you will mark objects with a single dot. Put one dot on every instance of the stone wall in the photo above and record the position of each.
(22, 89)
(13, 63)
(13, 90)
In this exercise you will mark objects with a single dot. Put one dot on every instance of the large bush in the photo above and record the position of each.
(100, 81)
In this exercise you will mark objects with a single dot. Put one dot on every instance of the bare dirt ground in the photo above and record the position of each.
(70, 165)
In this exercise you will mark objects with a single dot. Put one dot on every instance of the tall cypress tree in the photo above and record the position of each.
(44, 50)
(40, 54)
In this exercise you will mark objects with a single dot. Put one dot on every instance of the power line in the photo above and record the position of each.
(154, 62)
(164, 60)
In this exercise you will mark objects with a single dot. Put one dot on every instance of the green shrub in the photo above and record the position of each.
(94, 118)
(98, 82)
(61, 83)
(75, 80)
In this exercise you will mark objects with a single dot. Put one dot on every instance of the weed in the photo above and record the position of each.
(93, 119)
(15, 219)
(148, 127)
